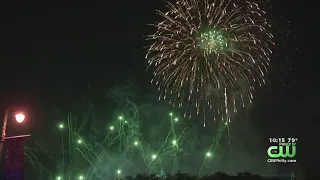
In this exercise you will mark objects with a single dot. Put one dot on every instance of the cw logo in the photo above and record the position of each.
(276, 152)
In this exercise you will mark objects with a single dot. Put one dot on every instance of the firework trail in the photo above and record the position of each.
(83, 157)
(209, 55)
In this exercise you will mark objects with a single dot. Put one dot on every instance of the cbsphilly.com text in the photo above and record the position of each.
(281, 160)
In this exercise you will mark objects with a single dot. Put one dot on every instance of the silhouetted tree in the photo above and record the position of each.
(142, 177)
(220, 176)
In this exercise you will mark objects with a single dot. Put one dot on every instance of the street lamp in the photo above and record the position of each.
(19, 118)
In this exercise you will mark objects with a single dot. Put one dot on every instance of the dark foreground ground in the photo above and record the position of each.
(217, 176)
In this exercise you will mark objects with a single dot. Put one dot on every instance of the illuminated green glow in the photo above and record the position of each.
(208, 154)
(174, 142)
(61, 126)
(212, 41)
(137, 143)
(154, 156)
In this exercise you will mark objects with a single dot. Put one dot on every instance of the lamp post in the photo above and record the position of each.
(20, 117)
(4, 125)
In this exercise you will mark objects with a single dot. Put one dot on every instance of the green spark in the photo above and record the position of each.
(154, 156)
(211, 41)
(61, 126)
(174, 142)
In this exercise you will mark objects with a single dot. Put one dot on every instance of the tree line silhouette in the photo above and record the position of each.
(216, 176)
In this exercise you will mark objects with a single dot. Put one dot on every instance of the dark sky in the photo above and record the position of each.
(48, 47)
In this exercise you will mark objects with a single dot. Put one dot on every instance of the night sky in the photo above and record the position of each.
(50, 49)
